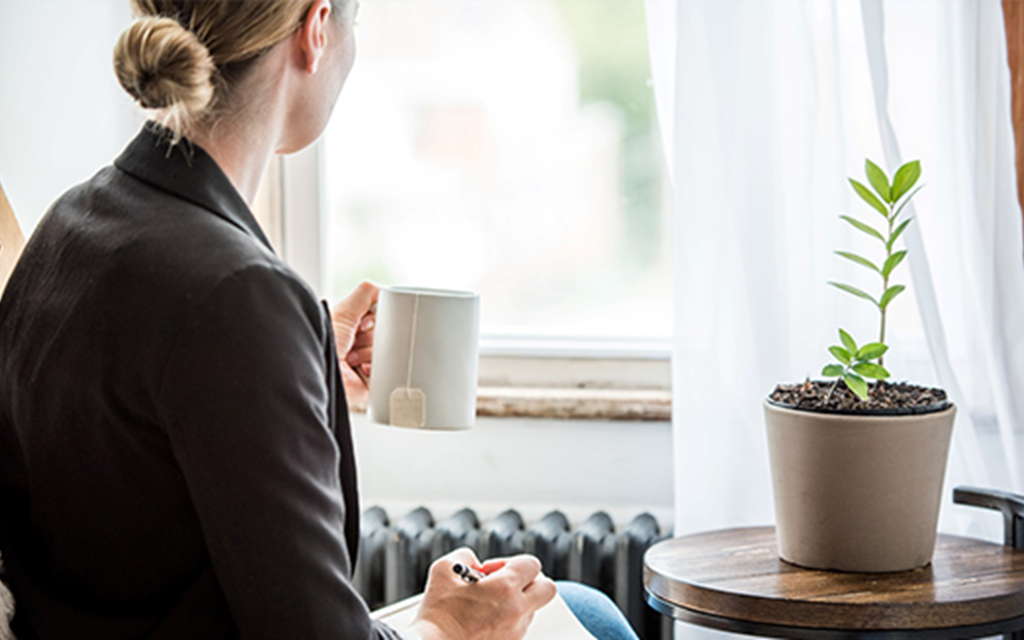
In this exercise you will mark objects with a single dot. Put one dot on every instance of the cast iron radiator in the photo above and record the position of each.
(394, 557)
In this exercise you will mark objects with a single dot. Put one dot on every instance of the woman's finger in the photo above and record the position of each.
(362, 299)
(357, 357)
(462, 555)
(540, 592)
(520, 570)
(352, 313)
(363, 339)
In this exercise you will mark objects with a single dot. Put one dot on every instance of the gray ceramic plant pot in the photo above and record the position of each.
(857, 493)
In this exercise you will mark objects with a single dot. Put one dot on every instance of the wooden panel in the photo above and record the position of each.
(12, 241)
(1013, 17)
(737, 574)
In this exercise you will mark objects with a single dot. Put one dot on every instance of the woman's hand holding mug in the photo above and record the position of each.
(354, 321)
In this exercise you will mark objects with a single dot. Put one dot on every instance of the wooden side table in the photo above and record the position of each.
(733, 580)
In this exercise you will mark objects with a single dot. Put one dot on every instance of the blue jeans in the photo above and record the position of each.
(596, 612)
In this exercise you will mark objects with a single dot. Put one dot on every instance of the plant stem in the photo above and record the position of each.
(885, 278)
(830, 391)
(882, 335)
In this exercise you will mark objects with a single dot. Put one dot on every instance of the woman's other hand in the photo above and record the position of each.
(354, 321)
(498, 607)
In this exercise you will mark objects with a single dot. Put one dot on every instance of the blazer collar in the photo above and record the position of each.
(187, 172)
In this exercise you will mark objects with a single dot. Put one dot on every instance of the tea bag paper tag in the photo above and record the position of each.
(408, 408)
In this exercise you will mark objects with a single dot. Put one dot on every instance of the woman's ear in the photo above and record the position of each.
(313, 35)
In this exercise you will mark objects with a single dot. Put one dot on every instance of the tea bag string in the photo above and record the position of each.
(412, 344)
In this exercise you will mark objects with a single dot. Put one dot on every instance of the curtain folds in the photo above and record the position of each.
(766, 109)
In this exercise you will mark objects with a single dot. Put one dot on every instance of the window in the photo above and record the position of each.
(508, 148)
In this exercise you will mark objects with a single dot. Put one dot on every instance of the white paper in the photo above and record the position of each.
(554, 621)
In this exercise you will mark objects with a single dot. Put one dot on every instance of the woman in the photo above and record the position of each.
(175, 454)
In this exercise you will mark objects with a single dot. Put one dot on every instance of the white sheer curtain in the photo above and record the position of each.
(767, 108)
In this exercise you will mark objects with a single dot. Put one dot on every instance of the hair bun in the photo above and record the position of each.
(163, 65)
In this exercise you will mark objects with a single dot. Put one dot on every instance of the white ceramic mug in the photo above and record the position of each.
(425, 354)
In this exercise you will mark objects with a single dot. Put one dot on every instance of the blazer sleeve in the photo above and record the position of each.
(244, 399)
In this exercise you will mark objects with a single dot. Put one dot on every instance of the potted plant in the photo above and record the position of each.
(857, 466)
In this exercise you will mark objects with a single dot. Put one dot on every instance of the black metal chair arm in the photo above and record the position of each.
(1010, 505)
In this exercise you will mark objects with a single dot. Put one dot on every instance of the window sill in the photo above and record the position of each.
(575, 404)
(572, 404)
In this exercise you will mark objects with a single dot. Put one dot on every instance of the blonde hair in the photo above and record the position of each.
(182, 59)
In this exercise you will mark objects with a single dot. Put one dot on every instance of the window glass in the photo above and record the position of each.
(508, 148)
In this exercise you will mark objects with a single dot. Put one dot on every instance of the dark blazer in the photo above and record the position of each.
(175, 452)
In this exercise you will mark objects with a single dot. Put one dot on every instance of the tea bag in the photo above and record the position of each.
(408, 408)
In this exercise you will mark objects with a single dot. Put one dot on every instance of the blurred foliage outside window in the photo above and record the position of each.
(508, 148)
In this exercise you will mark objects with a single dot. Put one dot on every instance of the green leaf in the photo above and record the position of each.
(871, 351)
(889, 294)
(848, 341)
(905, 178)
(863, 227)
(857, 385)
(869, 197)
(897, 233)
(833, 370)
(878, 181)
(891, 262)
(859, 260)
(906, 201)
(871, 370)
(854, 290)
(841, 354)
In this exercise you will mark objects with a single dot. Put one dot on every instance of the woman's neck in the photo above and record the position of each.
(243, 141)
(242, 154)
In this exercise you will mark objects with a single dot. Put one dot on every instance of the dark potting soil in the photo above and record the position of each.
(883, 397)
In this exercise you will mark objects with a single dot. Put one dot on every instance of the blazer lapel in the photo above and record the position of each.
(188, 172)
